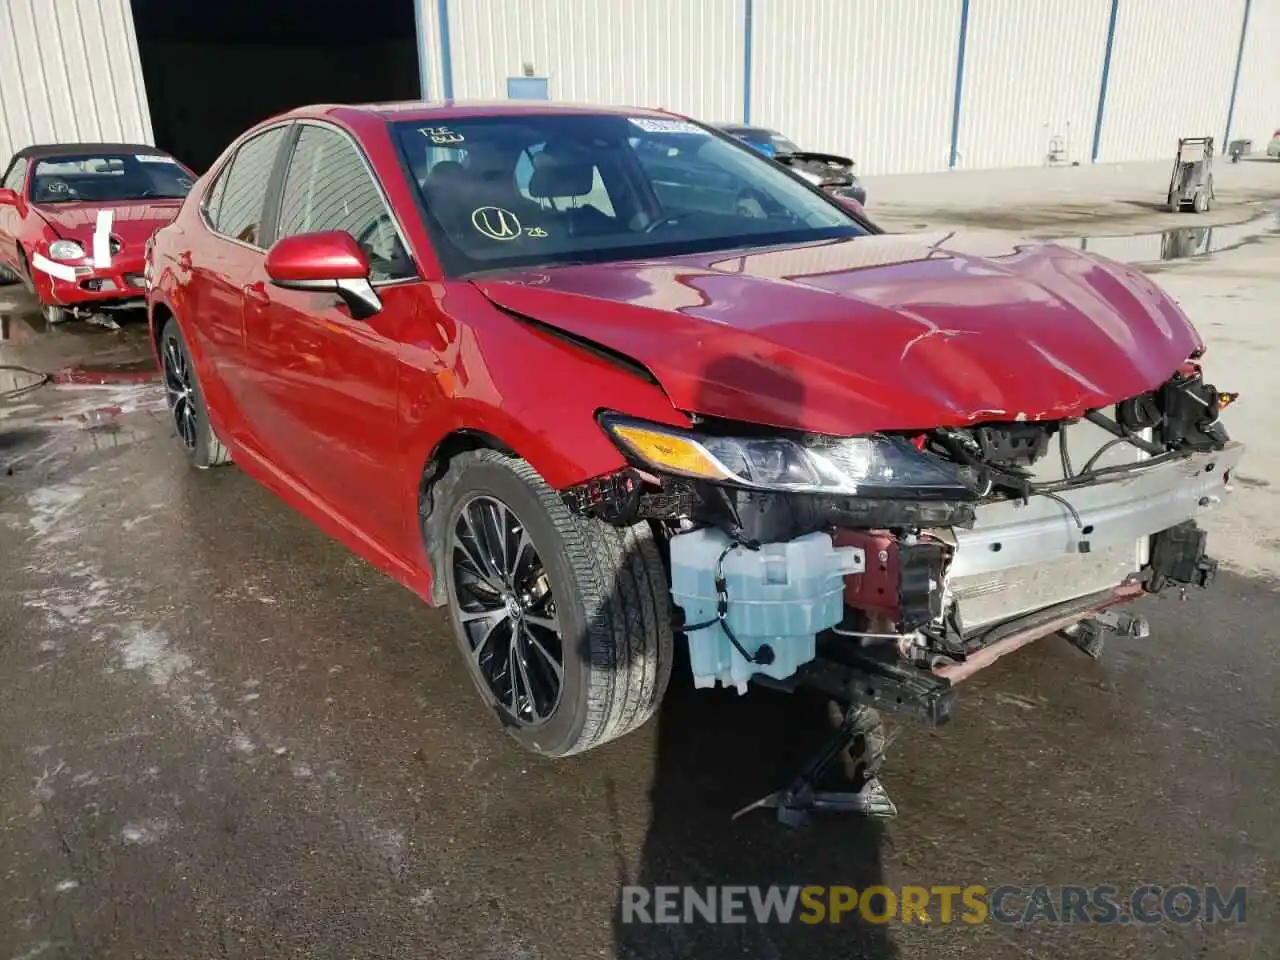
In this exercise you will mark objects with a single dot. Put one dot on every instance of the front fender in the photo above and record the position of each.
(528, 388)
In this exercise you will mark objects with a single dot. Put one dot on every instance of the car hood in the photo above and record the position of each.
(885, 332)
(133, 221)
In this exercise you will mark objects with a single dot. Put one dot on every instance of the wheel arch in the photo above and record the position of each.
(451, 445)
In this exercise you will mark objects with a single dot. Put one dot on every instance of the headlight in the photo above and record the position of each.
(66, 250)
(872, 466)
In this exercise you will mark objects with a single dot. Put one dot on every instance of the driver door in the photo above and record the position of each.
(326, 382)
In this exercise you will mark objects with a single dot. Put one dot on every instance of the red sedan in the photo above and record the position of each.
(603, 380)
(75, 218)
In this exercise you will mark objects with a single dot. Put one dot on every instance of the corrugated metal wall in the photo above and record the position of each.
(1171, 74)
(1257, 114)
(69, 71)
(870, 79)
(1032, 73)
(684, 56)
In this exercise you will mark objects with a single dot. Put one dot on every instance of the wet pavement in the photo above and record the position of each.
(222, 735)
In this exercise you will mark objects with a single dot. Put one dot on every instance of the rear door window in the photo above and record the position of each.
(241, 201)
(328, 186)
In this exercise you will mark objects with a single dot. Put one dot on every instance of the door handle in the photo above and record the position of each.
(256, 292)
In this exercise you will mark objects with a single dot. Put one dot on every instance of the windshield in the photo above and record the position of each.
(109, 176)
(534, 189)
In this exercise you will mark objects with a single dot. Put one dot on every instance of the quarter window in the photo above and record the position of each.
(17, 174)
(240, 203)
(328, 187)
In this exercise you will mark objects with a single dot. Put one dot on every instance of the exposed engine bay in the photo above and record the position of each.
(913, 588)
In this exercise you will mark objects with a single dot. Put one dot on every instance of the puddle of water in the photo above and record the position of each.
(131, 371)
(1178, 243)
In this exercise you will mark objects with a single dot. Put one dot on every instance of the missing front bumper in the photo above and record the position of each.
(1020, 557)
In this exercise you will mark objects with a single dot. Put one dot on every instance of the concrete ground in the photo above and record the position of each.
(221, 735)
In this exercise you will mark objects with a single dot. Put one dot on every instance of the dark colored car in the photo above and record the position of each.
(75, 218)
(830, 171)
(599, 381)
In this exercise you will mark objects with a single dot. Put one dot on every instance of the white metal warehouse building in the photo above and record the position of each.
(899, 85)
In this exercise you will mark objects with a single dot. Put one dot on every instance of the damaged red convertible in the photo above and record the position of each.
(605, 381)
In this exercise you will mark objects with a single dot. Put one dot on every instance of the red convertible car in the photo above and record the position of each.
(75, 217)
(608, 382)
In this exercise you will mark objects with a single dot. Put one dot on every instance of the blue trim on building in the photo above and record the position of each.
(419, 24)
(955, 107)
(747, 12)
(1235, 83)
(1106, 78)
(446, 56)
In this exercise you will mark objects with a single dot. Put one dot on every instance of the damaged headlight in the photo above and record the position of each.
(65, 250)
(871, 466)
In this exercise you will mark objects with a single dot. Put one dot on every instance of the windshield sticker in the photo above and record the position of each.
(152, 158)
(650, 125)
(496, 223)
(442, 136)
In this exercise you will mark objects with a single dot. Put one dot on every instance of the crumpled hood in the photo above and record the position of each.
(133, 221)
(888, 332)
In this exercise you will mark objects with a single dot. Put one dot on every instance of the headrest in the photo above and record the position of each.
(560, 175)
(446, 174)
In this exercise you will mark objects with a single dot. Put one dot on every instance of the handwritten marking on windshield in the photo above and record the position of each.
(496, 223)
(441, 135)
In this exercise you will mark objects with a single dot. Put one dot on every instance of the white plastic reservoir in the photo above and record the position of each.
(782, 594)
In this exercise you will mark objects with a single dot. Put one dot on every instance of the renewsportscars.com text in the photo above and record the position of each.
(972, 904)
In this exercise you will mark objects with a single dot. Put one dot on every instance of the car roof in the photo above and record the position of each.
(44, 150)
(422, 110)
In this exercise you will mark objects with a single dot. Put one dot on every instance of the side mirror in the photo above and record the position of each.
(326, 262)
(852, 205)
(8, 198)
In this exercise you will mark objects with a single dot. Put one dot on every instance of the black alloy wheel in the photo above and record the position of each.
(179, 393)
(507, 611)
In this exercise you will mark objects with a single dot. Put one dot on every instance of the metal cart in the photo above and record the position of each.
(1191, 183)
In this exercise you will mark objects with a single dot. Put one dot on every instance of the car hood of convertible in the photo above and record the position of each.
(876, 333)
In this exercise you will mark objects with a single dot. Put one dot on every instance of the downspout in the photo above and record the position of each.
(747, 13)
(424, 85)
(1106, 77)
(1235, 83)
(959, 94)
(446, 56)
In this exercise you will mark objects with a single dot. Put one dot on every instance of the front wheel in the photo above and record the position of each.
(565, 622)
(187, 410)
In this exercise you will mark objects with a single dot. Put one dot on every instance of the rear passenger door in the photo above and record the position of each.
(233, 211)
(325, 382)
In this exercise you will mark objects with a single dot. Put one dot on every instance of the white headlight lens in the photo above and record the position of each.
(66, 250)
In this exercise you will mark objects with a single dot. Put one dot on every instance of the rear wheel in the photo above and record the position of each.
(1201, 202)
(565, 622)
(187, 410)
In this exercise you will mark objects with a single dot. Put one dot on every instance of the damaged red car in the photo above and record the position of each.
(75, 218)
(602, 382)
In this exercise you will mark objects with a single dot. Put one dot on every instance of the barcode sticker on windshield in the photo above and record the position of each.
(650, 125)
(152, 158)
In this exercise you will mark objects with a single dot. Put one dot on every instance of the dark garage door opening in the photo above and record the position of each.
(214, 69)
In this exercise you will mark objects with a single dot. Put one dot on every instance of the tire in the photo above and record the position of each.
(8, 275)
(187, 410)
(1201, 202)
(608, 594)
